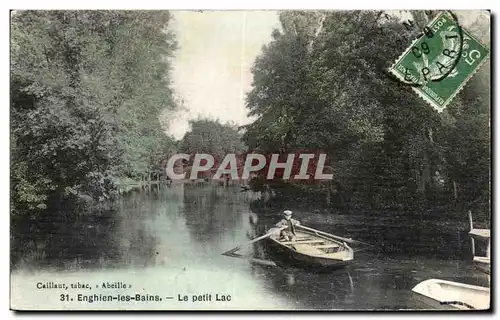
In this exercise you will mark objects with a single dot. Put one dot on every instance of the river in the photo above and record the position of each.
(168, 242)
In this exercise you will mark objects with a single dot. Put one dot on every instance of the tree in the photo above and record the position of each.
(87, 90)
(212, 137)
(321, 83)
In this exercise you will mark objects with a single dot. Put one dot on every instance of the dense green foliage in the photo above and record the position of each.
(87, 92)
(321, 83)
(212, 137)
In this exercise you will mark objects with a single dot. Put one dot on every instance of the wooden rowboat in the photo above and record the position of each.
(442, 294)
(310, 249)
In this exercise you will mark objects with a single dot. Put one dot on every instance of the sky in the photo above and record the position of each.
(212, 67)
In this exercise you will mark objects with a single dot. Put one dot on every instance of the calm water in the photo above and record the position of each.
(168, 242)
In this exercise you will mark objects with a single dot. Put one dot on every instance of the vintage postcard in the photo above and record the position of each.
(250, 160)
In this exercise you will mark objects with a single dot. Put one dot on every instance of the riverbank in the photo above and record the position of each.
(126, 185)
(329, 198)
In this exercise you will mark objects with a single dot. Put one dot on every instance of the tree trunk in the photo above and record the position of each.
(328, 196)
(426, 173)
(455, 190)
(149, 180)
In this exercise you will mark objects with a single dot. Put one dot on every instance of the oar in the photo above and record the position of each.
(333, 236)
(268, 234)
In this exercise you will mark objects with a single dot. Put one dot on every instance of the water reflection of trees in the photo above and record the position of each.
(138, 234)
(73, 238)
(63, 239)
(313, 290)
(210, 211)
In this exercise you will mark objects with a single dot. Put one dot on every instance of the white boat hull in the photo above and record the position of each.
(442, 294)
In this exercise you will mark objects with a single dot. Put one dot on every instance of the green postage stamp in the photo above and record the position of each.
(440, 62)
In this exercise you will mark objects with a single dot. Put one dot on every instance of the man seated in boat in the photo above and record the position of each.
(288, 234)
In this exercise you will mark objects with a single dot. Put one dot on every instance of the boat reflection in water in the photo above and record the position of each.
(332, 290)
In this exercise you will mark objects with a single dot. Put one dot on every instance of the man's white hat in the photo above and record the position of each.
(287, 213)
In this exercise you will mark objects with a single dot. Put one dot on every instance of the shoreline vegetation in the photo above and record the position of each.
(320, 84)
(91, 100)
